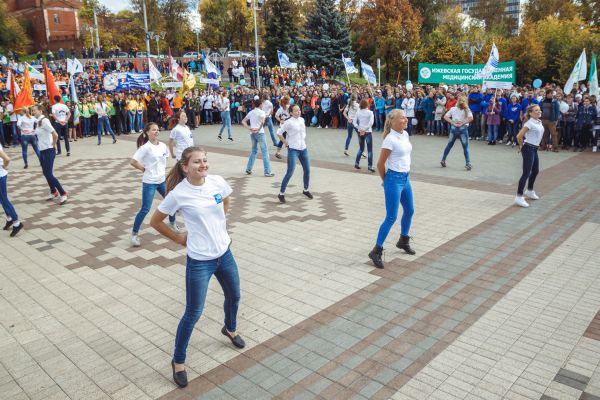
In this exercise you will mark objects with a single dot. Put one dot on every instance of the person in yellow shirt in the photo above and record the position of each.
(139, 116)
(177, 103)
(131, 113)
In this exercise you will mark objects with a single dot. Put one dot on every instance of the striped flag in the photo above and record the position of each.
(349, 65)
(593, 79)
(74, 100)
(491, 64)
(284, 60)
(368, 73)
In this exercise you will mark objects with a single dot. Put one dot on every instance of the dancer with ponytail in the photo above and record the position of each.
(223, 106)
(529, 138)
(203, 201)
(181, 136)
(394, 168)
(151, 159)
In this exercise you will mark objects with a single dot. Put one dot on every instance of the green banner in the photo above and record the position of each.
(461, 74)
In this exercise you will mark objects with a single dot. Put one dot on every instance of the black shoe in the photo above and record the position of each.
(8, 225)
(443, 164)
(114, 141)
(220, 137)
(180, 377)
(375, 256)
(248, 172)
(236, 340)
(281, 198)
(230, 139)
(98, 143)
(371, 169)
(277, 155)
(403, 244)
(25, 166)
(356, 166)
(16, 230)
(307, 194)
(68, 154)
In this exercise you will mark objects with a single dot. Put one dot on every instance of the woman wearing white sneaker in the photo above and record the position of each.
(47, 138)
(529, 139)
(150, 158)
(12, 220)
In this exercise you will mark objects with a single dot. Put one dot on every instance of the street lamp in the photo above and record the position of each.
(407, 56)
(157, 36)
(91, 29)
(472, 47)
(197, 32)
(255, 4)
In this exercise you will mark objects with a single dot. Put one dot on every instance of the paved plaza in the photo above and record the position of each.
(499, 302)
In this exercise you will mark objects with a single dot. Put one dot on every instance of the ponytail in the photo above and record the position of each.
(174, 176)
(387, 127)
(144, 138)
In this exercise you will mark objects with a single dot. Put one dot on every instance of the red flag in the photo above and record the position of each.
(51, 88)
(25, 98)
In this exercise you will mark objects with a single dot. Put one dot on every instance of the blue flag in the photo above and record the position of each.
(284, 61)
(368, 73)
(349, 65)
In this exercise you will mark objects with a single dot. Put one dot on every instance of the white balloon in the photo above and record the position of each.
(325, 86)
(409, 86)
(564, 107)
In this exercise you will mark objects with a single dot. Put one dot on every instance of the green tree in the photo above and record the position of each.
(228, 21)
(179, 36)
(326, 35)
(537, 10)
(431, 11)
(282, 30)
(496, 22)
(12, 32)
(528, 52)
(589, 10)
(392, 26)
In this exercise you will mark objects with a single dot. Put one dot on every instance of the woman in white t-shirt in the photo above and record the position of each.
(27, 124)
(203, 201)
(529, 138)
(12, 219)
(350, 113)
(47, 138)
(283, 114)
(223, 104)
(394, 169)
(150, 158)
(181, 136)
(459, 117)
(363, 124)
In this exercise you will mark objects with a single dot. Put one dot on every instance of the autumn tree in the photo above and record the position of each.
(528, 52)
(537, 10)
(282, 29)
(432, 12)
(179, 35)
(388, 26)
(443, 44)
(12, 32)
(326, 35)
(228, 21)
(589, 11)
(496, 21)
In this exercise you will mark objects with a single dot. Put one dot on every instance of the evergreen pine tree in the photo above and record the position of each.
(282, 29)
(327, 36)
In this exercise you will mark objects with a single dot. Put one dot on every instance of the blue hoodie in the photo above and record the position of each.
(513, 111)
(475, 102)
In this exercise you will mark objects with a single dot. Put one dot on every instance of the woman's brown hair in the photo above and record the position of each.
(176, 175)
(174, 120)
(143, 138)
(363, 104)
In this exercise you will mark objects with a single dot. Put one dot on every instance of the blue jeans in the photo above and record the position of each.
(7, 206)
(14, 132)
(455, 133)
(378, 120)
(86, 126)
(269, 125)
(2, 140)
(197, 277)
(531, 167)
(409, 127)
(492, 133)
(293, 156)
(148, 191)
(259, 139)
(361, 143)
(47, 160)
(225, 122)
(398, 191)
(475, 127)
(139, 121)
(104, 123)
(25, 140)
(130, 120)
(350, 133)
(513, 129)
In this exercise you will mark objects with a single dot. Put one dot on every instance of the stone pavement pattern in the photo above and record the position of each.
(499, 302)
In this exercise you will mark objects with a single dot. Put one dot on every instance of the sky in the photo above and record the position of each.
(116, 5)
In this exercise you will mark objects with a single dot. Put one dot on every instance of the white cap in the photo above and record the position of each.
(256, 97)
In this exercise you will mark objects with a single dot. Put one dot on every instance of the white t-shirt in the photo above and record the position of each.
(44, 133)
(267, 107)
(60, 113)
(154, 159)
(283, 114)
(458, 115)
(3, 172)
(535, 133)
(26, 124)
(408, 104)
(352, 110)
(183, 139)
(101, 109)
(10, 109)
(223, 103)
(364, 119)
(399, 144)
(296, 133)
(204, 215)
(254, 118)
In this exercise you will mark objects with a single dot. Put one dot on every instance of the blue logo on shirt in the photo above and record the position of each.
(218, 198)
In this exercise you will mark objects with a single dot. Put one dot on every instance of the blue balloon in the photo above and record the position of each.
(242, 82)
(537, 83)
(314, 120)
(292, 101)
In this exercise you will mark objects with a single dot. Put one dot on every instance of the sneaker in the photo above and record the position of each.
(270, 175)
(443, 164)
(520, 201)
(307, 194)
(363, 155)
(220, 137)
(52, 196)
(508, 143)
(132, 131)
(277, 155)
(371, 169)
(64, 198)
(530, 194)
(356, 166)
(8, 225)
(468, 167)
(499, 141)
(175, 227)
(16, 230)
(248, 172)
(114, 141)
(25, 166)
(230, 139)
(346, 153)
(594, 149)
(135, 240)
(68, 154)
(281, 198)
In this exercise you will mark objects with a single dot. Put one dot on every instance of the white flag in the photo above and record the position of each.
(593, 79)
(34, 73)
(210, 67)
(284, 60)
(368, 73)
(349, 65)
(491, 64)
(74, 66)
(155, 75)
(579, 73)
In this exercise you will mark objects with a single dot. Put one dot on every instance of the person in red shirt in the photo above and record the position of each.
(167, 112)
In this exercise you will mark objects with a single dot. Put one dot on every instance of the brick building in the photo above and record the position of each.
(51, 23)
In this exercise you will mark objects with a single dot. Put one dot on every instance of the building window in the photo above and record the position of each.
(56, 19)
